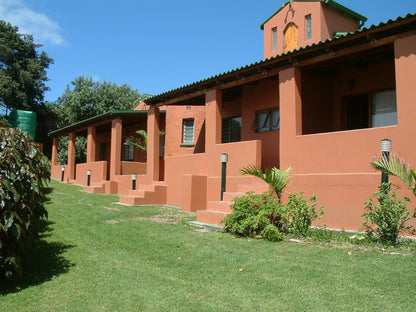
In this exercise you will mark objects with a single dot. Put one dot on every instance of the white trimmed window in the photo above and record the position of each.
(188, 131)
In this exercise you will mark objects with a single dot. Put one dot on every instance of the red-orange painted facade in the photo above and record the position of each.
(325, 100)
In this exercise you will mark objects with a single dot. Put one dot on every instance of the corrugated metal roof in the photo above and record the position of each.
(332, 3)
(338, 39)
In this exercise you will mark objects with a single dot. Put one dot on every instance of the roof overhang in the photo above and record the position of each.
(342, 44)
(99, 119)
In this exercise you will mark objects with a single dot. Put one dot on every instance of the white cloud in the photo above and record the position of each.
(43, 29)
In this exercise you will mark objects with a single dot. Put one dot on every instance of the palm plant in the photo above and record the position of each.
(397, 167)
(140, 141)
(276, 178)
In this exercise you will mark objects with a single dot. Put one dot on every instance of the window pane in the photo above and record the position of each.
(188, 131)
(262, 122)
(274, 39)
(275, 120)
(308, 27)
(384, 108)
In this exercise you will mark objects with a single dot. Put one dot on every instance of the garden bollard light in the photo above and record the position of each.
(133, 181)
(224, 160)
(385, 148)
(63, 172)
(88, 177)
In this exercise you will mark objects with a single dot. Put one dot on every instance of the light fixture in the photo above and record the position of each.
(224, 160)
(133, 181)
(63, 173)
(385, 148)
(88, 177)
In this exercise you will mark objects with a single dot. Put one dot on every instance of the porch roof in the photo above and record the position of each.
(271, 66)
(95, 120)
(330, 3)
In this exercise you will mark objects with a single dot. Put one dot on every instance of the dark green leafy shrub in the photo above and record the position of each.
(387, 214)
(262, 215)
(23, 173)
(301, 213)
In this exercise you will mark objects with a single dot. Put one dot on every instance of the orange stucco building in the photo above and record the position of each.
(324, 96)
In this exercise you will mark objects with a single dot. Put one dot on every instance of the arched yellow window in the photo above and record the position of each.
(291, 35)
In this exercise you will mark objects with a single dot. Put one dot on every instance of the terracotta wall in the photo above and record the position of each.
(325, 21)
(98, 172)
(174, 128)
(336, 165)
(256, 97)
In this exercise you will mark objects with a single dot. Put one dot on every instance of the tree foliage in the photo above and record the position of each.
(22, 69)
(85, 98)
(23, 174)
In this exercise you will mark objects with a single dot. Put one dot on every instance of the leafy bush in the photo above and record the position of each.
(387, 217)
(301, 213)
(23, 172)
(262, 215)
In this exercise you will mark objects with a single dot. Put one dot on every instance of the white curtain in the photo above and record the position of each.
(384, 108)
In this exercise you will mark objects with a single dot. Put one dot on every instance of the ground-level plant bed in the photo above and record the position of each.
(147, 259)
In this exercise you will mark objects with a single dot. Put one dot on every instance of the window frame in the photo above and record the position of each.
(127, 152)
(308, 27)
(274, 39)
(185, 129)
(232, 137)
(267, 125)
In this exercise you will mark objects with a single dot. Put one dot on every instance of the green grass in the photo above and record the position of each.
(100, 256)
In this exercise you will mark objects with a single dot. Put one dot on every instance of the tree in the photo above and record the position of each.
(276, 178)
(397, 167)
(22, 69)
(24, 172)
(85, 98)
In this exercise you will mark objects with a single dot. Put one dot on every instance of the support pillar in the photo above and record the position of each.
(213, 125)
(153, 137)
(54, 156)
(91, 144)
(115, 151)
(71, 156)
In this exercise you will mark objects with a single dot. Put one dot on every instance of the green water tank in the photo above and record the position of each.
(24, 120)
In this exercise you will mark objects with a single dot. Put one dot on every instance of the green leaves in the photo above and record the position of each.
(24, 172)
(396, 166)
(22, 69)
(276, 178)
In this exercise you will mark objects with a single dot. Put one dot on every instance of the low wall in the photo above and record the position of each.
(130, 167)
(98, 172)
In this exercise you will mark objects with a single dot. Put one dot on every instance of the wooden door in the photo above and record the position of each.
(291, 35)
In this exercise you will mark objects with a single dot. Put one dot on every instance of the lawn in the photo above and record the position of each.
(97, 255)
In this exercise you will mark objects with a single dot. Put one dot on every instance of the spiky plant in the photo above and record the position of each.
(397, 167)
(140, 141)
(276, 178)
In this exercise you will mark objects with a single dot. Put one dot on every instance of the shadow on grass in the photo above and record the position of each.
(45, 261)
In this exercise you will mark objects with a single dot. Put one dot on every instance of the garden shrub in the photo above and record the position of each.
(387, 214)
(23, 173)
(263, 215)
(301, 213)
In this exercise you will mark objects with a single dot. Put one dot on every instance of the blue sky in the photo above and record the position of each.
(156, 45)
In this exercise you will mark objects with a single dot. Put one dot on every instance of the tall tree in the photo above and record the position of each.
(85, 98)
(22, 69)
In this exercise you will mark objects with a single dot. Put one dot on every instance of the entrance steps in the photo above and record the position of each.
(217, 210)
(146, 194)
(105, 187)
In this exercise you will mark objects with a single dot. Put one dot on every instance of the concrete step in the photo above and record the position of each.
(221, 206)
(256, 188)
(210, 217)
(155, 195)
(229, 196)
